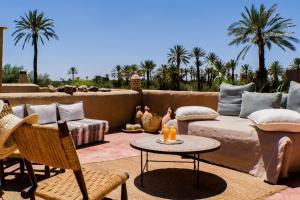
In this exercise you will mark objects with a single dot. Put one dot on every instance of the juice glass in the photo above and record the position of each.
(165, 133)
(172, 133)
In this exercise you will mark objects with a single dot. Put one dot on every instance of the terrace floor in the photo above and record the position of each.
(116, 147)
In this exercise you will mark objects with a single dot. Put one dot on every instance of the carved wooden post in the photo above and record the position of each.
(1, 53)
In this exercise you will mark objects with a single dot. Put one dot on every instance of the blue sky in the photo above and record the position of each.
(95, 35)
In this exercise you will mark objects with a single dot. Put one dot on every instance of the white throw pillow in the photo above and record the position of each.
(69, 112)
(276, 120)
(47, 113)
(195, 113)
(19, 111)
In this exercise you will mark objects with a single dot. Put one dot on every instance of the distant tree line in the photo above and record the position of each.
(185, 70)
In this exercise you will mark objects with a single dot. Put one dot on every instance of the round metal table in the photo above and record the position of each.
(192, 145)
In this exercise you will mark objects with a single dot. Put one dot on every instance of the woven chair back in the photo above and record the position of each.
(46, 145)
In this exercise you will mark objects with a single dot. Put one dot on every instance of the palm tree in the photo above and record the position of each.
(177, 55)
(207, 73)
(231, 66)
(210, 59)
(275, 70)
(148, 66)
(117, 73)
(73, 71)
(127, 71)
(34, 27)
(245, 69)
(296, 65)
(198, 53)
(262, 27)
(218, 72)
(163, 72)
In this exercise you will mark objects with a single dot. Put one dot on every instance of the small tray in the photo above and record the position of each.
(133, 131)
(169, 142)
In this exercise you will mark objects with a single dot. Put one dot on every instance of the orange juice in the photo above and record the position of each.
(165, 133)
(172, 133)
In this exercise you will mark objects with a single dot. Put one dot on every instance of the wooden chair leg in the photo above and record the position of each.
(22, 167)
(47, 171)
(30, 191)
(124, 195)
(2, 174)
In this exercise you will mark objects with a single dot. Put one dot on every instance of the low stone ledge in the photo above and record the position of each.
(19, 88)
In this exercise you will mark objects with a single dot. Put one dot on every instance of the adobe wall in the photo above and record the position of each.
(19, 88)
(117, 107)
(159, 100)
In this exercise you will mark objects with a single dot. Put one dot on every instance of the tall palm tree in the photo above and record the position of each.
(72, 71)
(211, 58)
(219, 72)
(163, 72)
(34, 27)
(198, 53)
(148, 66)
(262, 27)
(296, 65)
(177, 55)
(245, 69)
(231, 66)
(275, 70)
(117, 73)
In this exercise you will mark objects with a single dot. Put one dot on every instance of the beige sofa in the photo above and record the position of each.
(268, 155)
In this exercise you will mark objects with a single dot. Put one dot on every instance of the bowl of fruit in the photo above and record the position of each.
(133, 128)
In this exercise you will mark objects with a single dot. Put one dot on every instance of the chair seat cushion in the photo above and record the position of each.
(64, 186)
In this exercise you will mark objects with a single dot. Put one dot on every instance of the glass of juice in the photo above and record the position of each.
(165, 133)
(172, 133)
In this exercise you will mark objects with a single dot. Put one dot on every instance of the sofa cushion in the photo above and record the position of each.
(276, 120)
(69, 112)
(19, 110)
(253, 101)
(284, 99)
(230, 98)
(47, 113)
(293, 101)
(195, 113)
(86, 131)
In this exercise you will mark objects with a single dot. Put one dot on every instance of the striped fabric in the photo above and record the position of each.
(87, 131)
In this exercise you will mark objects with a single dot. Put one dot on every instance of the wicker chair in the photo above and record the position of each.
(55, 147)
(13, 158)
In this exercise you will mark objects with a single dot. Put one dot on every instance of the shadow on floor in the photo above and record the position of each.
(175, 183)
(91, 144)
(293, 181)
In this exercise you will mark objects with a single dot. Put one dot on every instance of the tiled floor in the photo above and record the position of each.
(117, 146)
